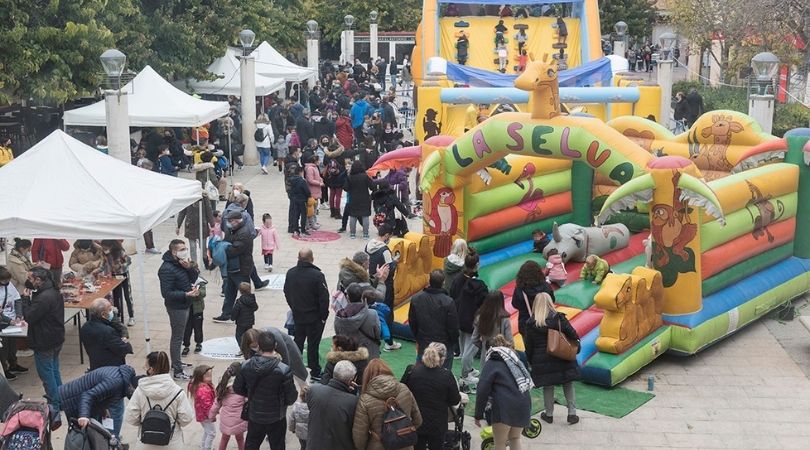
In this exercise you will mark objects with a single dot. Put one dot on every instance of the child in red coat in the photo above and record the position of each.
(201, 389)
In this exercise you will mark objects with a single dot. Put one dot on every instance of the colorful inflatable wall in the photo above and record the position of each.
(721, 250)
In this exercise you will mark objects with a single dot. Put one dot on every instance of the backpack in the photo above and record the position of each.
(156, 425)
(259, 134)
(397, 429)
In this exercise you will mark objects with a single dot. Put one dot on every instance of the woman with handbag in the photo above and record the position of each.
(505, 383)
(544, 330)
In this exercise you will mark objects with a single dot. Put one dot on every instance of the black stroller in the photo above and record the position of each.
(457, 438)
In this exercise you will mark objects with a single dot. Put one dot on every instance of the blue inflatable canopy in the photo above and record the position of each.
(588, 74)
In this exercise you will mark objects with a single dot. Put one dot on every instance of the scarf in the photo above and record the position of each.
(516, 368)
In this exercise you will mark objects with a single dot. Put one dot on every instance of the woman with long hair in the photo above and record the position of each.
(19, 263)
(491, 320)
(505, 384)
(379, 385)
(548, 370)
(529, 282)
(116, 262)
(454, 262)
(158, 388)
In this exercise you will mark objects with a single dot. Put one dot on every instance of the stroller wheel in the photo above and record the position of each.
(533, 430)
(488, 443)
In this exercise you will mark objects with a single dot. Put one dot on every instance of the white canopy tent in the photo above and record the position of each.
(153, 102)
(271, 63)
(229, 82)
(62, 188)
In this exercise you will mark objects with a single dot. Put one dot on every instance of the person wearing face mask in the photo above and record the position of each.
(116, 262)
(177, 276)
(44, 310)
(8, 353)
(103, 341)
(240, 236)
(86, 258)
(19, 263)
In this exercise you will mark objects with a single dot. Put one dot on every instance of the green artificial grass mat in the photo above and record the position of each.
(614, 402)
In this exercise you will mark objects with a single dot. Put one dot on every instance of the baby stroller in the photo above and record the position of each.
(28, 426)
(457, 438)
(93, 437)
(488, 438)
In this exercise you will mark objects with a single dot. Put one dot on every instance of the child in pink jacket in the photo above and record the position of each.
(229, 406)
(270, 241)
(556, 268)
(202, 391)
(312, 173)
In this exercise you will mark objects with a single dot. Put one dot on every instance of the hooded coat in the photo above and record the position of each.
(469, 293)
(230, 413)
(358, 188)
(453, 266)
(159, 390)
(357, 357)
(548, 370)
(368, 417)
(85, 261)
(556, 268)
(267, 383)
(362, 324)
(351, 272)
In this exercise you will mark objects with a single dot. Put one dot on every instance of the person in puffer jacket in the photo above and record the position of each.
(355, 270)
(91, 394)
(359, 322)
(556, 268)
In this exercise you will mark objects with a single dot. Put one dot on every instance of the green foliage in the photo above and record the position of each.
(50, 48)
(790, 116)
(786, 117)
(639, 15)
(394, 15)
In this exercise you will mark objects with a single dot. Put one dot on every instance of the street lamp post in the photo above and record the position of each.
(665, 64)
(619, 46)
(761, 88)
(348, 20)
(116, 106)
(312, 50)
(247, 72)
(372, 34)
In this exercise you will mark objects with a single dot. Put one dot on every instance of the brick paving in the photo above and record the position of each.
(745, 392)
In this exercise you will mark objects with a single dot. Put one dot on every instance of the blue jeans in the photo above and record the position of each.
(47, 363)
(231, 290)
(264, 156)
(394, 81)
(117, 415)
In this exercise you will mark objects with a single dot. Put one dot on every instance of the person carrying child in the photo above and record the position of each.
(229, 406)
(555, 268)
(201, 390)
(244, 311)
(270, 241)
(595, 269)
(299, 419)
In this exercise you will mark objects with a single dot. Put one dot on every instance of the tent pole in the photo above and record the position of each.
(141, 248)
(200, 246)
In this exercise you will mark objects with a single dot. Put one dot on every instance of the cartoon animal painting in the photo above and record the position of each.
(671, 228)
(429, 124)
(766, 213)
(574, 242)
(533, 197)
(442, 219)
(540, 78)
(720, 131)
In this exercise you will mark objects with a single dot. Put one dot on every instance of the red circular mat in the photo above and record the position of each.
(318, 236)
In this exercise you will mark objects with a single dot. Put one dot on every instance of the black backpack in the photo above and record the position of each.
(156, 426)
(397, 429)
(259, 134)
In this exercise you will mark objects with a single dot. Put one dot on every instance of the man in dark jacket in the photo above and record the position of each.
(303, 127)
(306, 293)
(44, 310)
(299, 194)
(240, 252)
(103, 342)
(433, 317)
(91, 394)
(331, 410)
(694, 103)
(177, 277)
(389, 117)
(268, 384)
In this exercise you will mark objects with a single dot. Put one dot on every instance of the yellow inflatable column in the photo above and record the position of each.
(675, 229)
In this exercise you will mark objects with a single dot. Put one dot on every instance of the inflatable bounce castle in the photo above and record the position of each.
(699, 229)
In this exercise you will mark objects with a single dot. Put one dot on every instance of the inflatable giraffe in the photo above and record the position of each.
(540, 79)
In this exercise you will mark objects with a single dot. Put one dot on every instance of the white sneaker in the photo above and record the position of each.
(264, 170)
(474, 373)
(131, 322)
(469, 380)
(269, 267)
(392, 347)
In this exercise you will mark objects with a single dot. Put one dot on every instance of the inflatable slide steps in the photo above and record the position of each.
(739, 304)
(607, 369)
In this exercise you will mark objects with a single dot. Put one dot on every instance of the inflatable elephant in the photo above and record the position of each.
(574, 242)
